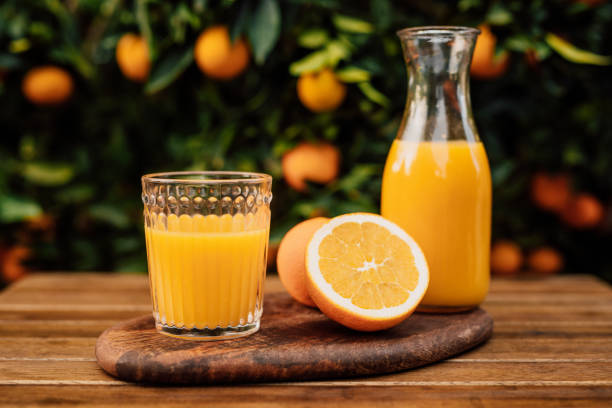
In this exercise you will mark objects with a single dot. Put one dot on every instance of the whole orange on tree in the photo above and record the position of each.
(583, 211)
(217, 56)
(11, 262)
(550, 191)
(485, 63)
(47, 85)
(321, 91)
(133, 57)
(506, 257)
(316, 162)
(545, 260)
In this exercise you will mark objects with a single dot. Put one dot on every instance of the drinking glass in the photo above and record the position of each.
(207, 240)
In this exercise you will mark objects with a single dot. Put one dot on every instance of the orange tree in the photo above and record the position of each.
(70, 167)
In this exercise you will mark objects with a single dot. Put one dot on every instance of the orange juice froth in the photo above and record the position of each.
(206, 271)
(440, 193)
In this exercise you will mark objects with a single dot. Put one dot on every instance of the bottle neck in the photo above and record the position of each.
(438, 106)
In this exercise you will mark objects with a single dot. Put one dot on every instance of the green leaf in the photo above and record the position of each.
(16, 25)
(337, 50)
(47, 174)
(179, 20)
(373, 94)
(9, 62)
(519, 42)
(142, 17)
(382, 13)
(224, 139)
(313, 38)
(76, 194)
(264, 29)
(244, 15)
(328, 4)
(353, 74)
(572, 155)
(574, 54)
(66, 19)
(73, 55)
(499, 15)
(542, 50)
(20, 45)
(354, 206)
(465, 5)
(169, 69)
(15, 209)
(351, 24)
(41, 31)
(109, 214)
(502, 172)
(311, 63)
(127, 244)
(28, 148)
(304, 209)
(359, 175)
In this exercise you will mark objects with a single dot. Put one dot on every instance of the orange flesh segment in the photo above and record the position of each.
(368, 265)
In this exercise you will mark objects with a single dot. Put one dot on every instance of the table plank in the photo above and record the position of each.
(48, 348)
(306, 395)
(547, 285)
(552, 346)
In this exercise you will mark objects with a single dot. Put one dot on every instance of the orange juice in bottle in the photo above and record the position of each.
(437, 182)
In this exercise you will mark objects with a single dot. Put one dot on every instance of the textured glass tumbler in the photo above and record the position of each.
(207, 241)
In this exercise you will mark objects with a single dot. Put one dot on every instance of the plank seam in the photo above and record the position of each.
(454, 360)
(530, 360)
(346, 383)
(449, 383)
(61, 382)
(36, 307)
(63, 322)
(47, 359)
(502, 323)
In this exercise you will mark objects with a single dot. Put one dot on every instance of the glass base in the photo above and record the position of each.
(444, 309)
(218, 333)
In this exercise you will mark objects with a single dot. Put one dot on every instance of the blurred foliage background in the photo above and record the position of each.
(74, 143)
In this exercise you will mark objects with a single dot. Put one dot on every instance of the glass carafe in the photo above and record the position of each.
(437, 182)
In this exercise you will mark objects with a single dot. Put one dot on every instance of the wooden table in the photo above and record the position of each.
(552, 346)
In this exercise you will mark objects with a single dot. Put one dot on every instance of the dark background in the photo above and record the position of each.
(70, 174)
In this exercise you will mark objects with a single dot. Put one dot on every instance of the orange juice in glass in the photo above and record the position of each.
(207, 237)
(437, 182)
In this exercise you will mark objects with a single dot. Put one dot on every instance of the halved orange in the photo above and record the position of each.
(365, 272)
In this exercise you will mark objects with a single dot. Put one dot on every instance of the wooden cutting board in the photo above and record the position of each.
(294, 343)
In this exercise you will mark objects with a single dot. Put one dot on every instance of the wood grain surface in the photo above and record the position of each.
(294, 343)
(552, 347)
